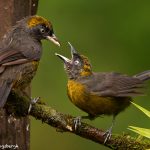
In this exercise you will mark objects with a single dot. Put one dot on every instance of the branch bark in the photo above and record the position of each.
(64, 123)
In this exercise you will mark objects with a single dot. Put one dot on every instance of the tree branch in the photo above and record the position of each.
(18, 106)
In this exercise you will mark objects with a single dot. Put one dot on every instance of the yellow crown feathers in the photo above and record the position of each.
(36, 20)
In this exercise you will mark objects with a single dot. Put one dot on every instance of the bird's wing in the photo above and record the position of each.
(11, 57)
(113, 85)
(8, 58)
(27, 51)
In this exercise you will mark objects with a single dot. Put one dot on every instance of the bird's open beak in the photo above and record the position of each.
(53, 39)
(73, 51)
(73, 54)
(65, 59)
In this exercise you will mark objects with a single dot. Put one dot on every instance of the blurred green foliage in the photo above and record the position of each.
(115, 35)
(141, 131)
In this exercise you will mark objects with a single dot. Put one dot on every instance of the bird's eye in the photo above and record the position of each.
(76, 62)
(42, 30)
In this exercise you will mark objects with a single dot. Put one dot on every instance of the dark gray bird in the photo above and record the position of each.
(20, 53)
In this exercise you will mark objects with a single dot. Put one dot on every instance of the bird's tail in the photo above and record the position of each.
(5, 89)
(143, 76)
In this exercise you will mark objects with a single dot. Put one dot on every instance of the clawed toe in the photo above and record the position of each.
(33, 101)
(77, 122)
(107, 135)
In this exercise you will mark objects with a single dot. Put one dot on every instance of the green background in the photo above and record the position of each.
(115, 35)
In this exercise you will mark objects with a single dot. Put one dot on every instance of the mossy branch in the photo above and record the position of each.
(18, 105)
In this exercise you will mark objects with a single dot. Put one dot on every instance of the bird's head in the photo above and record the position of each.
(77, 66)
(38, 27)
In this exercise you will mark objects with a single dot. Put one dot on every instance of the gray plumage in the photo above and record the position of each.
(20, 53)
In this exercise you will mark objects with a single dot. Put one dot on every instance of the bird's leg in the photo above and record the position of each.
(32, 102)
(77, 120)
(108, 133)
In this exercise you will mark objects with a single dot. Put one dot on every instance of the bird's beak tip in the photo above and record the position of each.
(53, 39)
(73, 50)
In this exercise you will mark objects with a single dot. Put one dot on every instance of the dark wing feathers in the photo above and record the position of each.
(11, 55)
(32, 51)
(113, 85)
(5, 88)
(8, 57)
(6, 54)
(14, 54)
(8, 76)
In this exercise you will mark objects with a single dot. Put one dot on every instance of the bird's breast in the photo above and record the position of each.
(76, 93)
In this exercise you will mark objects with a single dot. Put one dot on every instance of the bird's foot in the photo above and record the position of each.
(77, 122)
(33, 101)
(107, 135)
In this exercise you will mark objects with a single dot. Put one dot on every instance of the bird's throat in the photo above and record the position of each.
(85, 73)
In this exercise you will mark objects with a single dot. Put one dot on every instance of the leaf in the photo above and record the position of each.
(141, 131)
(145, 111)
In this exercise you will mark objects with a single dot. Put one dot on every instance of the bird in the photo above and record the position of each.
(100, 93)
(20, 53)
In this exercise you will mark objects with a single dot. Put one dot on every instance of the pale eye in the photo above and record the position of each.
(76, 62)
(42, 30)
